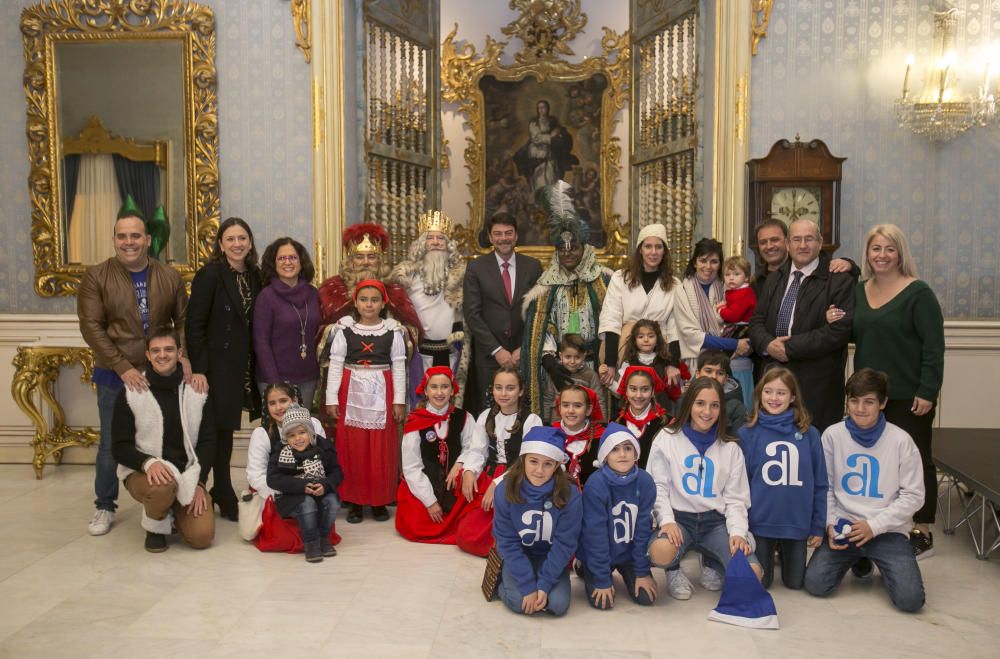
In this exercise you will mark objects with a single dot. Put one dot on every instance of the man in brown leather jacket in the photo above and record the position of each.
(120, 300)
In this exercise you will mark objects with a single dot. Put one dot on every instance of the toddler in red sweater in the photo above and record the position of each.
(740, 298)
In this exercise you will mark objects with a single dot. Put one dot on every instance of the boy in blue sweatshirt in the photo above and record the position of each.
(536, 524)
(617, 522)
(876, 484)
(787, 474)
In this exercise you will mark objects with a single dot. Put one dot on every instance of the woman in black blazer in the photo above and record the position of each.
(220, 345)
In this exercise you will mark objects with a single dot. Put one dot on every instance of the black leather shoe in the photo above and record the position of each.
(228, 508)
(156, 543)
(354, 516)
(326, 548)
(380, 513)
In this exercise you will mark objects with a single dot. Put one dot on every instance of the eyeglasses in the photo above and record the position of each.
(291, 258)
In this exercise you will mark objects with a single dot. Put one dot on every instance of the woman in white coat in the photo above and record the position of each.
(646, 289)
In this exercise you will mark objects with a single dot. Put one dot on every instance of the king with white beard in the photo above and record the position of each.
(433, 276)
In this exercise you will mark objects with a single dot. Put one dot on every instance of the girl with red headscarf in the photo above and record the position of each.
(580, 417)
(642, 414)
(444, 451)
(366, 395)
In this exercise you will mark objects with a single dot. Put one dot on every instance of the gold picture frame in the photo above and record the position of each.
(463, 70)
(106, 21)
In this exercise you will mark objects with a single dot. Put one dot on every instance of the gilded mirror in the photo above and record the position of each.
(121, 101)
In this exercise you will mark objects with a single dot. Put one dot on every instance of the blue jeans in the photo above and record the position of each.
(628, 576)
(793, 560)
(558, 603)
(316, 516)
(704, 532)
(106, 478)
(890, 552)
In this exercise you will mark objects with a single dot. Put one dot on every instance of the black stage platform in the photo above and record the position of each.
(970, 461)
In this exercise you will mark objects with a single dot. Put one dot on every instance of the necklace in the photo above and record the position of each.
(302, 329)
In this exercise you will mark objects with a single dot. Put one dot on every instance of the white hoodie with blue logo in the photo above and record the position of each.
(695, 483)
(883, 485)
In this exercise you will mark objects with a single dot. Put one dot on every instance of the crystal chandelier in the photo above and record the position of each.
(941, 111)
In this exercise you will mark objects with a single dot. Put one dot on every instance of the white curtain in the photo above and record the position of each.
(97, 201)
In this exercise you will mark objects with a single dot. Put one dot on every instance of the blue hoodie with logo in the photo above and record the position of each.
(787, 474)
(617, 522)
(536, 529)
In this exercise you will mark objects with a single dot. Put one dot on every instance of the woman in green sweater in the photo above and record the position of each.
(899, 330)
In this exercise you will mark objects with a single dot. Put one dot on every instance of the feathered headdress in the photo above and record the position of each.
(565, 224)
(365, 239)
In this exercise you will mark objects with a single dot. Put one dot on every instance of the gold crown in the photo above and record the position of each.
(365, 246)
(434, 221)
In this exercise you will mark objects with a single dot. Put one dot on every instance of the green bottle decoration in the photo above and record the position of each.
(159, 229)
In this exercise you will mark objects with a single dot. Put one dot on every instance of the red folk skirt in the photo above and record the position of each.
(278, 533)
(415, 524)
(475, 530)
(369, 458)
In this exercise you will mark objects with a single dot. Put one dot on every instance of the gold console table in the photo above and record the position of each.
(37, 369)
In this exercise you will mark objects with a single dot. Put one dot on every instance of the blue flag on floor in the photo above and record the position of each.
(744, 601)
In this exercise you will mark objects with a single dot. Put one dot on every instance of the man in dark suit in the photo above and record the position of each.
(789, 326)
(492, 292)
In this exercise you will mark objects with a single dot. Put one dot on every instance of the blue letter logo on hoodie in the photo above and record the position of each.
(539, 523)
(623, 516)
(787, 464)
(699, 482)
(867, 477)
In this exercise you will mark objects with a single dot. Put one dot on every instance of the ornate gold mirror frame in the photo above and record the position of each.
(103, 21)
(545, 31)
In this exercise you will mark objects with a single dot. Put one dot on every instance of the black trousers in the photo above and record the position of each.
(920, 428)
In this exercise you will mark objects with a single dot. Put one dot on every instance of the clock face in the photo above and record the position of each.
(790, 204)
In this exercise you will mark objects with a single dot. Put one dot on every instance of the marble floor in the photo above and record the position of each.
(64, 593)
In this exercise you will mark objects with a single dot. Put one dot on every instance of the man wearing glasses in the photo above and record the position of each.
(789, 326)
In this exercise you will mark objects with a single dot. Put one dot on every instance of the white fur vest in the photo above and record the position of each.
(149, 435)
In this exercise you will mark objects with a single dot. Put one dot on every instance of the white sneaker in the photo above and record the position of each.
(101, 523)
(678, 584)
(710, 579)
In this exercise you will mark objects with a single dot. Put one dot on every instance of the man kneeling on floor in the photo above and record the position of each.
(163, 441)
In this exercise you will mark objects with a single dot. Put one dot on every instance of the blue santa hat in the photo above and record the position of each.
(614, 434)
(546, 441)
(744, 601)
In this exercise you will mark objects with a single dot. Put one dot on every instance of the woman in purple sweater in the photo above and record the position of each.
(286, 320)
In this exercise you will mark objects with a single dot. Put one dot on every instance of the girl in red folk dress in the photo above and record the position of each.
(504, 423)
(366, 394)
(580, 418)
(642, 415)
(443, 452)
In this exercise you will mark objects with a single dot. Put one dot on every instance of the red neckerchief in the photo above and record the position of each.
(640, 424)
(573, 467)
(422, 418)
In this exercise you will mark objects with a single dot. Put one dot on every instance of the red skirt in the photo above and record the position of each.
(415, 524)
(369, 458)
(475, 530)
(278, 533)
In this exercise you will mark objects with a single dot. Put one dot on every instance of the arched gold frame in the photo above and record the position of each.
(461, 70)
(44, 25)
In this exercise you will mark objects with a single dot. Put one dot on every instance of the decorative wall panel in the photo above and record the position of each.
(831, 70)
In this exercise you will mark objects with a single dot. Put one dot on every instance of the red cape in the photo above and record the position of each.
(335, 302)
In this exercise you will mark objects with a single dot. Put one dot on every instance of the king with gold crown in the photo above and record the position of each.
(432, 275)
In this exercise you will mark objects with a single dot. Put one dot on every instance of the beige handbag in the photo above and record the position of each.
(251, 509)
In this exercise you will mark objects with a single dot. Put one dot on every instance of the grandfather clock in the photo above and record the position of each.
(796, 180)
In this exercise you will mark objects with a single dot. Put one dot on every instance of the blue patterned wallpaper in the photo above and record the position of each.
(265, 138)
(831, 69)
